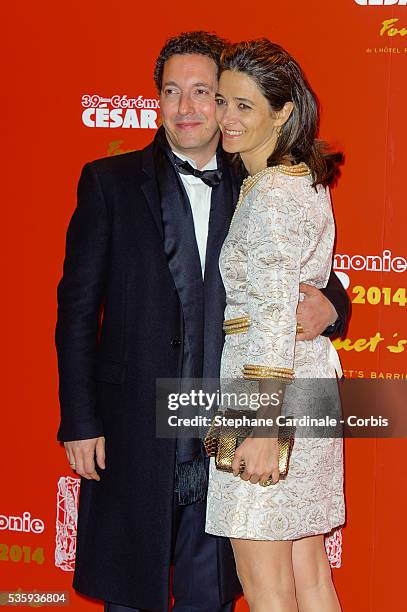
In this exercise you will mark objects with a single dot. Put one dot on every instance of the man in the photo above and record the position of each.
(143, 246)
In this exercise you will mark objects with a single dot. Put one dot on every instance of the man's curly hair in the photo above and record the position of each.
(199, 42)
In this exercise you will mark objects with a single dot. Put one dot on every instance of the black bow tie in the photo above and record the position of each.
(211, 178)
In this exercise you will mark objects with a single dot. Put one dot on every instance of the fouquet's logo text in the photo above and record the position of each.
(119, 112)
(388, 28)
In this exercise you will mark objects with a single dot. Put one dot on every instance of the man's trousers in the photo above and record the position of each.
(195, 584)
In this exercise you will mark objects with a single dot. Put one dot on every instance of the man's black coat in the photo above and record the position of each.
(119, 328)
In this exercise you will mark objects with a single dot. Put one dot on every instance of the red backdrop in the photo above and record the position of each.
(355, 55)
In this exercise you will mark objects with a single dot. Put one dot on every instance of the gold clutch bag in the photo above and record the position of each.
(222, 440)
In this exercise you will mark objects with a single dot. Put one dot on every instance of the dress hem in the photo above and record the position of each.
(297, 537)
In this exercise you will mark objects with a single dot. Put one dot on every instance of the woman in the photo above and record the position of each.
(282, 234)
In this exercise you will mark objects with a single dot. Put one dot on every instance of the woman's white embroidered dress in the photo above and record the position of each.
(282, 234)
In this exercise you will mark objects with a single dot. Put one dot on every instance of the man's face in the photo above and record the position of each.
(187, 102)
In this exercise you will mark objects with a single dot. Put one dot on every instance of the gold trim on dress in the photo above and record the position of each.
(297, 170)
(257, 372)
(239, 325)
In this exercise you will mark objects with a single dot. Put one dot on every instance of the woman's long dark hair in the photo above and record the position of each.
(281, 80)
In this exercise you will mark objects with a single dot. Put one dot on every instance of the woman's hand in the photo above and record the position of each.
(260, 456)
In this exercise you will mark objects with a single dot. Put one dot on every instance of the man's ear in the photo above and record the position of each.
(282, 116)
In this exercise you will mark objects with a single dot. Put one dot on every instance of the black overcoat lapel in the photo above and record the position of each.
(222, 206)
(182, 253)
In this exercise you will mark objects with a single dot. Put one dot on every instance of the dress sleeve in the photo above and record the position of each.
(275, 237)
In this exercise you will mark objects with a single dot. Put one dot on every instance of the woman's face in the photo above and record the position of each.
(245, 117)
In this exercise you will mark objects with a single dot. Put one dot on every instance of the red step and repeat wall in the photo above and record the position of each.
(80, 87)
